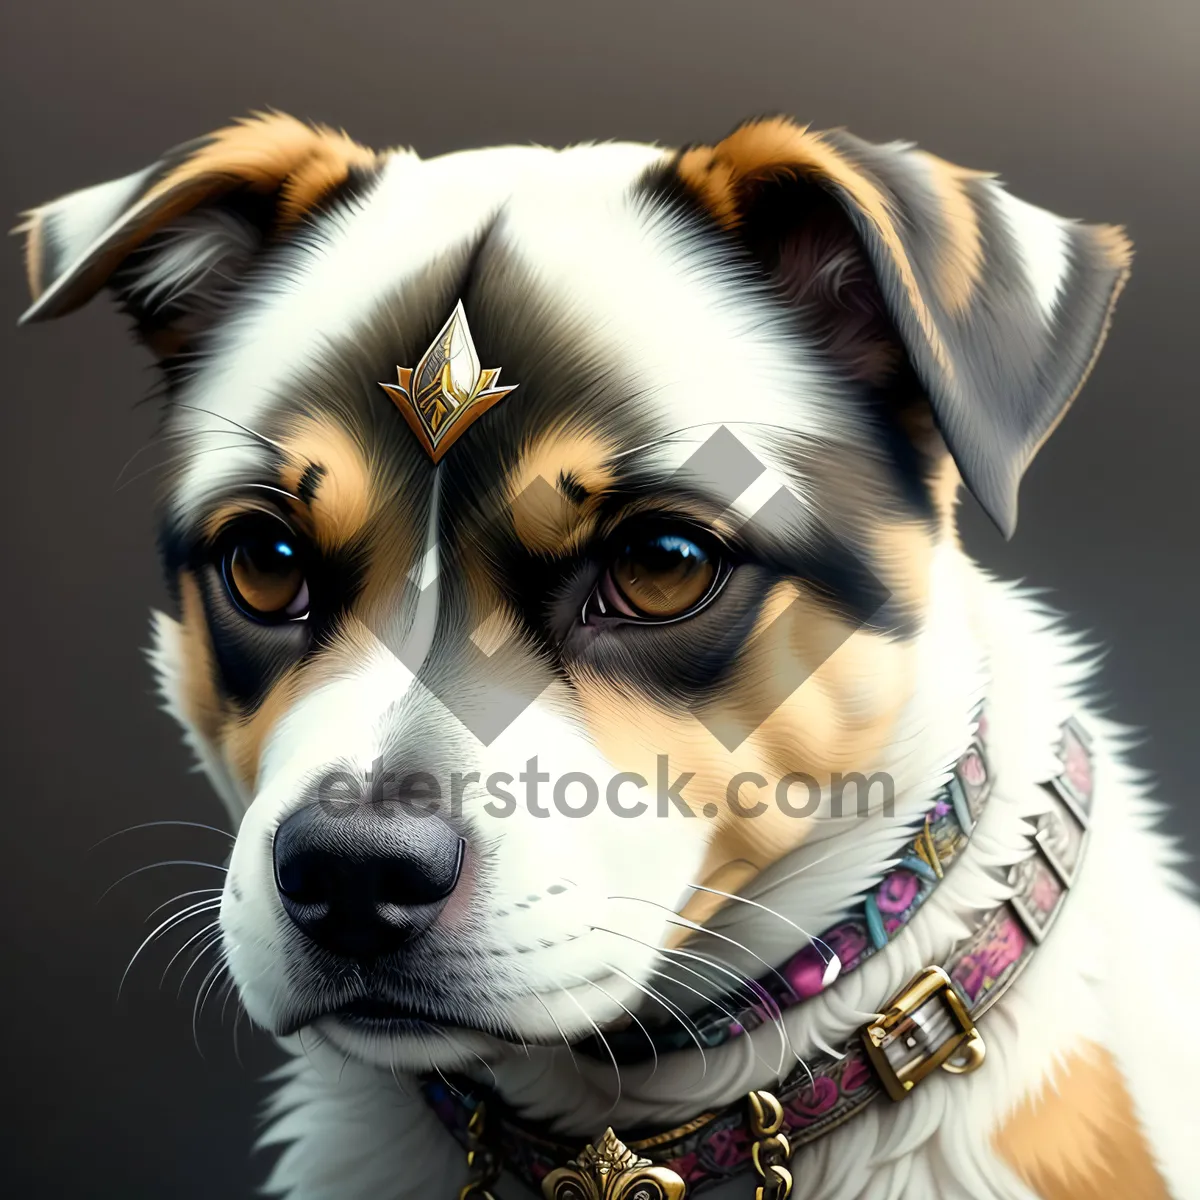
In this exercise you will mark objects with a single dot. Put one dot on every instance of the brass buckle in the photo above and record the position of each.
(926, 1026)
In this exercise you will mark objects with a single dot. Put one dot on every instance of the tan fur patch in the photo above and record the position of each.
(268, 151)
(775, 148)
(346, 505)
(1078, 1137)
(342, 501)
(840, 718)
(545, 518)
(904, 554)
(960, 262)
(199, 698)
(1114, 243)
(243, 737)
(946, 485)
(33, 227)
(236, 738)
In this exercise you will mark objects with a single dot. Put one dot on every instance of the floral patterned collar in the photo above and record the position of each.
(929, 1025)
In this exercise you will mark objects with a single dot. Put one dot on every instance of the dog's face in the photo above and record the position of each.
(477, 718)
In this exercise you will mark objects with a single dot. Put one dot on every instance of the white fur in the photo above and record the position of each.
(691, 355)
(203, 249)
(75, 223)
(1042, 241)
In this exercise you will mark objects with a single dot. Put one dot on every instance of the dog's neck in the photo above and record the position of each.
(981, 643)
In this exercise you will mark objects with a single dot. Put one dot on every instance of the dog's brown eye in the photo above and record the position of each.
(264, 574)
(660, 575)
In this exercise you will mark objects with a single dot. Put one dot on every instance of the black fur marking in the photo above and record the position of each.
(569, 485)
(310, 481)
(358, 184)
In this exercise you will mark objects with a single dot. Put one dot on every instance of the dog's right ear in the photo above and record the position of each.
(173, 240)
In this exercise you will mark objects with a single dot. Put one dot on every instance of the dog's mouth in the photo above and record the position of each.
(367, 1014)
(383, 1018)
(372, 1014)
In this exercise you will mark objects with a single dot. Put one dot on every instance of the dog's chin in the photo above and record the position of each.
(409, 1044)
(389, 1035)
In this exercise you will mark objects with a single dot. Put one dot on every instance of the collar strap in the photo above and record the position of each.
(930, 1024)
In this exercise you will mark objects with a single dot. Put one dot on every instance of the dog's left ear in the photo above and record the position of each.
(174, 240)
(999, 307)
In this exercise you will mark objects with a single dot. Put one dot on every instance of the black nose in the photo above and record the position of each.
(361, 880)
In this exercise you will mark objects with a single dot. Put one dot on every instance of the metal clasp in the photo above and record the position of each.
(926, 1026)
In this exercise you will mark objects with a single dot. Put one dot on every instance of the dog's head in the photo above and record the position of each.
(477, 660)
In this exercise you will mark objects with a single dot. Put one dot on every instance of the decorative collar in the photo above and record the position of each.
(930, 1024)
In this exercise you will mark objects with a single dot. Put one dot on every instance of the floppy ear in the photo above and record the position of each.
(173, 239)
(999, 307)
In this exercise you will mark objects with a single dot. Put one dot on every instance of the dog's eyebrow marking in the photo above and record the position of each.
(571, 487)
(310, 480)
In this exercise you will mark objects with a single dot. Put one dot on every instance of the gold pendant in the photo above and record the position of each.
(609, 1170)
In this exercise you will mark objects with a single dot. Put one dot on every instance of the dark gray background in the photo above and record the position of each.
(1089, 107)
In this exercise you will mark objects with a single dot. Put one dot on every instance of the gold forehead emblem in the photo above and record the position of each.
(447, 390)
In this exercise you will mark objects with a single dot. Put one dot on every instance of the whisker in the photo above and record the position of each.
(155, 824)
(300, 1039)
(604, 1042)
(685, 1022)
(169, 923)
(195, 937)
(267, 487)
(226, 993)
(172, 435)
(213, 939)
(784, 1043)
(628, 1012)
(739, 980)
(440, 1074)
(565, 1039)
(745, 986)
(260, 437)
(445, 1035)
(168, 461)
(183, 896)
(237, 1021)
(202, 995)
(170, 862)
(816, 941)
(685, 923)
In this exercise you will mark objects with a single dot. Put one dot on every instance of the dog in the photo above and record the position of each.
(638, 790)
